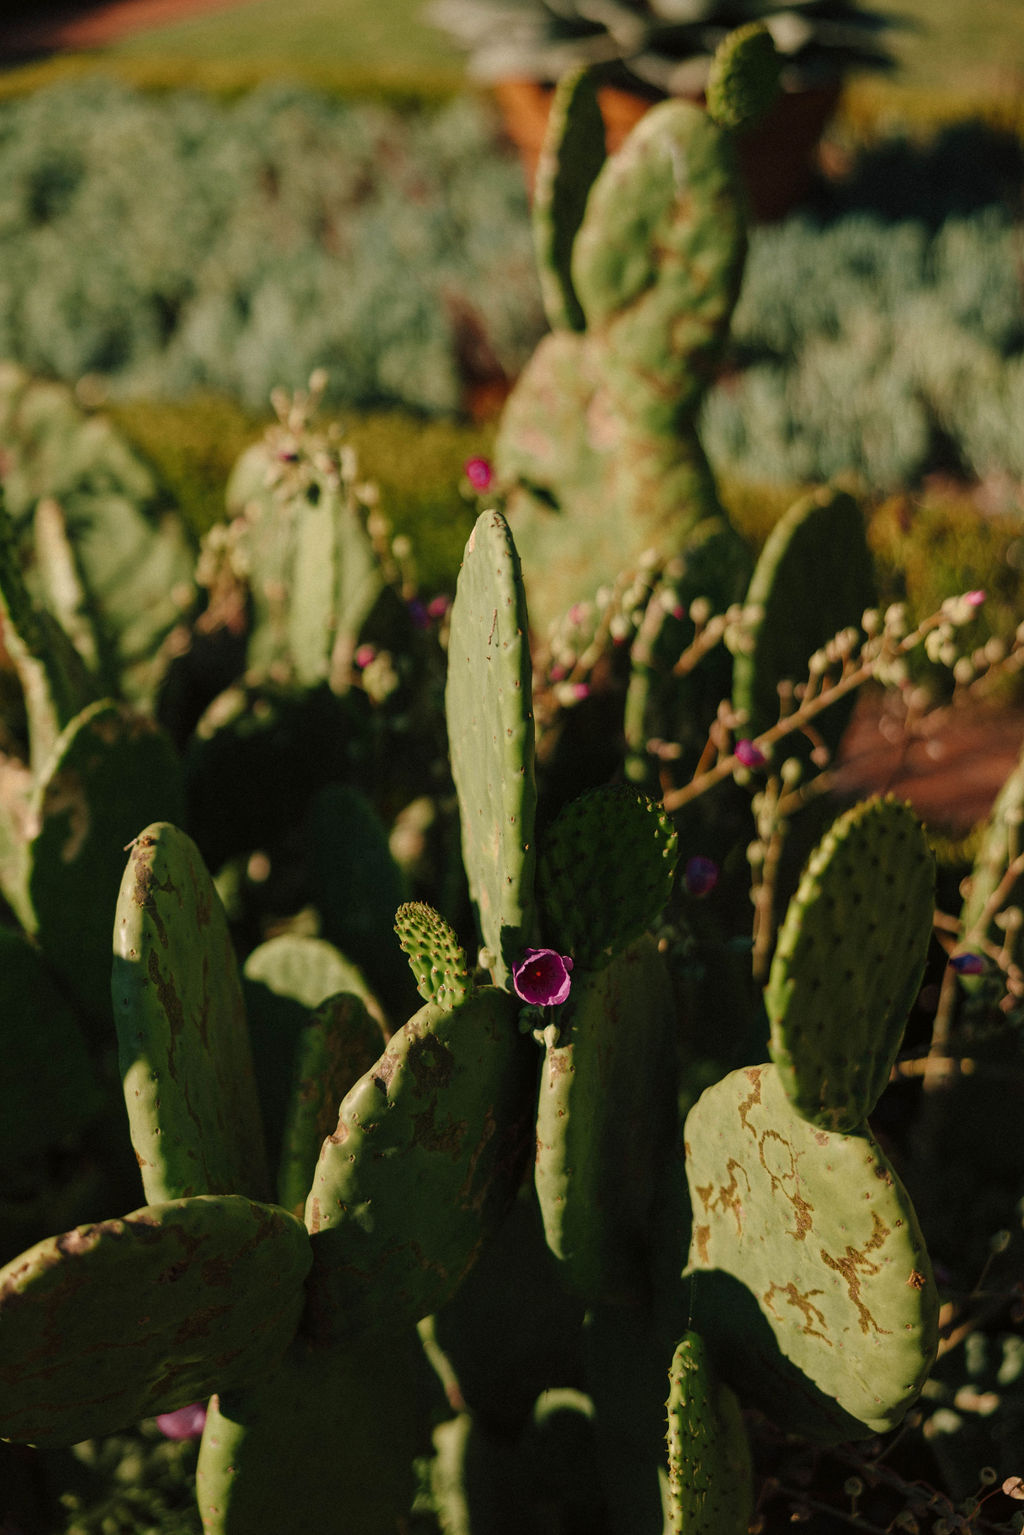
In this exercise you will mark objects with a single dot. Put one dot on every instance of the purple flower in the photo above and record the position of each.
(700, 875)
(967, 964)
(185, 1423)
(749, 755)
(479, 473)
(542, 977)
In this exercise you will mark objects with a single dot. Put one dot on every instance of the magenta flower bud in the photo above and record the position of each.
(364, 655)
(975, 599)
(479, 473)
(700, 875)
(437, 607)
(749, 755)
(967, 964)
(542, 977)
(185, 1423)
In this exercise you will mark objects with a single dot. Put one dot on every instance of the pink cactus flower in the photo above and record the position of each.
(542, 977)
(479, 473)
(184, 1423)
(749, 755)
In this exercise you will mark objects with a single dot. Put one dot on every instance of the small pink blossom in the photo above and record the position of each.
(580, 691)
(542, 977)
(185, 1423)
(700, 875)
(975, 599)
(479, 473)
(749, 755)
(364, 655)
(437, 607)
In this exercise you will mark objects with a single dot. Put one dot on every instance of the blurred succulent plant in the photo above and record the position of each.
(664, 46)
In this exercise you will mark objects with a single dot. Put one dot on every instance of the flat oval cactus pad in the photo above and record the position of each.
(116, 1321)
(819, 1232)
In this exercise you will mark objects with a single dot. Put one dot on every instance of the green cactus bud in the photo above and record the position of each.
(437, 959)
(829, 1311)
(849, 961)
(710, 1472)
(605, 872)
(813, 578)
(571, 157)
(743, 80)
(423, 1166)
(116, 1321)
(605, 1121)
(183, 1045)
(490, 730)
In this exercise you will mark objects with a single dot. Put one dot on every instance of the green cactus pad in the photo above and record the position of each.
(743, 80)
(489, 706)
(813, 578)
(437, 959)
(183, 1047)
(658, 261)
(113, 1322)
(710, 1471)
(605, 872)
(571, 157)
(605, 1121)
(849, 961)
(111, 772)
(816, 1231)
(324, 1441)
(425, 1161)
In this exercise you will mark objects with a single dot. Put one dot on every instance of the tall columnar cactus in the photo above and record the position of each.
(641, 260)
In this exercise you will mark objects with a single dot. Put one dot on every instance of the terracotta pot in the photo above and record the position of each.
(777, 157)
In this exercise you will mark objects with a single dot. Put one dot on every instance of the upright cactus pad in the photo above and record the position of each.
(113, 1322)
(710, 1470)
(814, 577)
(490, 731)
(605, 872)
(182, 1039)
(606, 1118)
(849, 961)
(1002, 843)
(571, 157)
(816, 1228)
(743, 80)
(437, 958)
(425, 1161)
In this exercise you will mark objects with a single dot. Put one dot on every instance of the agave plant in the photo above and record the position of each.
(660, 46)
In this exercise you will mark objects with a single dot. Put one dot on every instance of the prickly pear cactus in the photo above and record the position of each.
(993, 885)
(743, 80)
(572, 155)
(710, 1470)
(488, 703)
(598, 447)
(183, 1046)
(812, 1281)
(116, 1321)
(849, 961)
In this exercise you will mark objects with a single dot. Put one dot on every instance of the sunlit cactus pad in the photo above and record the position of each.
(605, 872)
(437, 958)
(849, 962)
(113, 1322)
(710, 1473)
(818, 1229)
